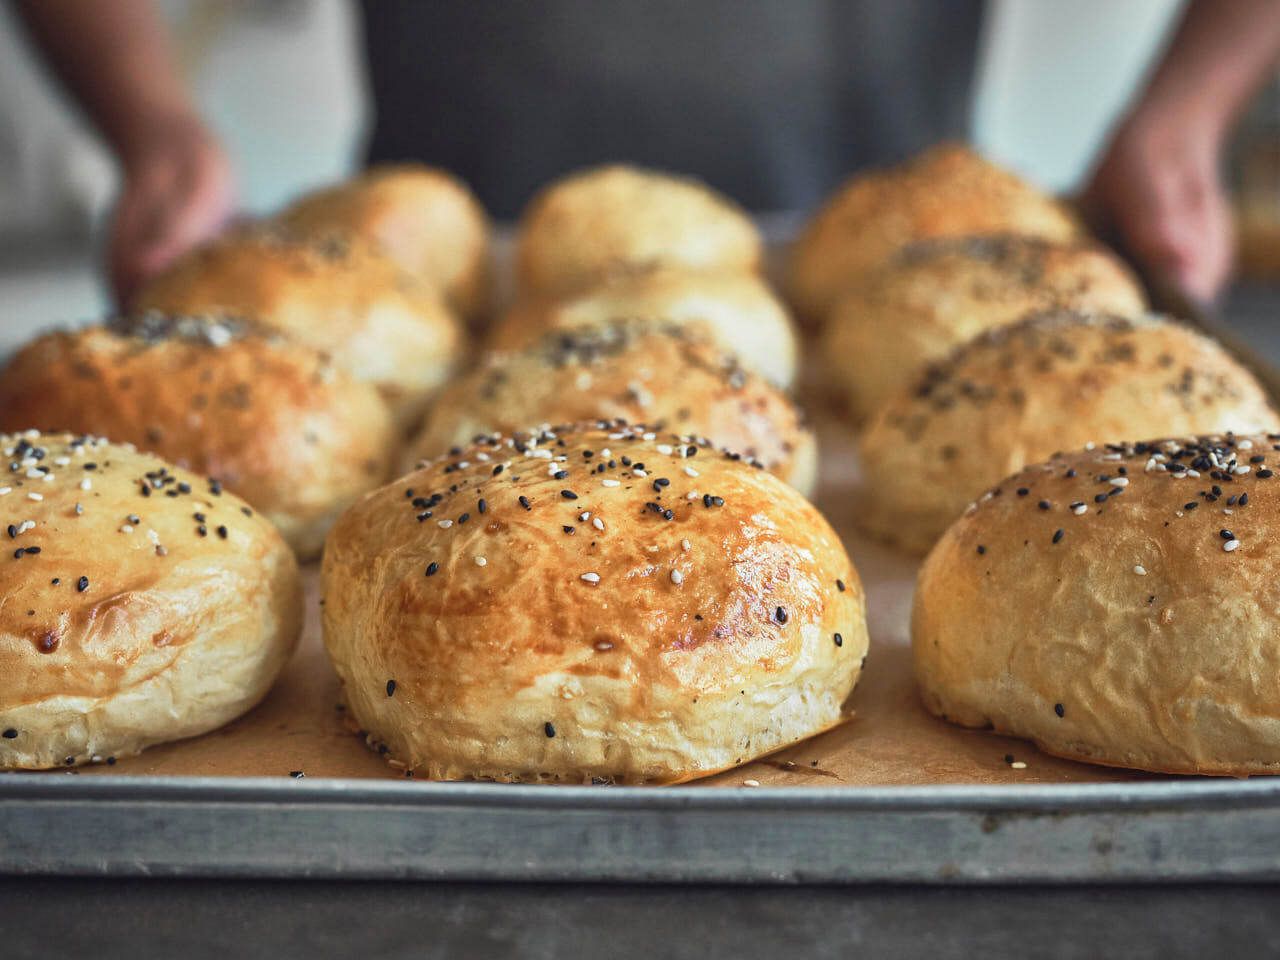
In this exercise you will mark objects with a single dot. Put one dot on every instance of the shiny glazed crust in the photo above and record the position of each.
(274, 422)
(737, 310)
(936, 295)
(545, 609)
(336, 295)
(1019, 393)
(130, 619)
(1138, 631)
(947, 191)
(607, 220)
(670, 377)
(423, 218)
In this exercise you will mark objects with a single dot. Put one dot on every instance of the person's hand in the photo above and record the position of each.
(177, 191)
(1158, 194)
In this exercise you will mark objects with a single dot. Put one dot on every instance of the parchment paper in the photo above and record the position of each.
(890, 740)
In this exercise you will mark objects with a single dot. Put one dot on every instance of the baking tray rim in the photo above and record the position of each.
(920, 798)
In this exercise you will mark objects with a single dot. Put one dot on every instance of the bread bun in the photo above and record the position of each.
(130, 619)
(1138, 631)
(608, 220)
(947, 191)
(489, 619)
(1016, 394)
(671, 378)
(274, 422)
(938, 294)
(423, 218)
(737, 310)
(335, 295)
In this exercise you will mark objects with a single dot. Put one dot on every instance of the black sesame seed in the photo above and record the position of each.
(464, 518)
(1059, 534)
(560, 474)
(549, 729)
(1059, 709)
(524, 502)
(1045, 505)
(1070, 473)
(780, 615)
(297, 774)
(567, 529)
(481, 505)
(981, 549)
(1264, 474)
(839, 640)
(56, 580)
(568, 495)
(391, 688)
(202, 530)
(432, 567)
(840, 585)
(1190, 505)
(82, 584)
(1022, 491)
(497, 470)
(13, 531)
(10, 734)
(222, 532)
(1226, 534)
(1259, 458)
(1244, 499)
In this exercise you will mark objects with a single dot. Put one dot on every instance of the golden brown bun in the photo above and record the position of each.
(1019, 393)
(335, 295)
(669, 377)
(938, 294)
(274, 422)
(606, 220)
(122, 625)
(491, 620)
(738, 310)
(423, 218)
(947, 191)
(1143, 635)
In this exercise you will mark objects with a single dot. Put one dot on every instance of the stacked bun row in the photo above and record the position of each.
(567, 539)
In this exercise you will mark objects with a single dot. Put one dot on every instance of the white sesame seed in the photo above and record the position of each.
(34, 474)
(126, 529)
(591, 577)
(28, 462)
(665, 449)
(1231, 545)
(606, 453)
(86, 484)
(1119, 481)
(34, 496)
(1018, 765)
(649, 436)
(1090, 445)
(677, 577)
(598, 523)
(540, 454)
(61, 461)
(26, 525)
(686, 545)
(639, 473)
(481, 561)
(482, 456)
(444, 524)
(47, 477)
(693, 495)
(1111, 456)
(1228, 511)
(1244, 445)
(1139, 569)
(1191, 473)
(5, 491)
(1079, 508)
(751, 783)
(1243, 469)
(584, 516)
(609, 482)
(690, 472)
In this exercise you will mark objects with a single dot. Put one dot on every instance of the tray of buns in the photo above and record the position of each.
(955, 625)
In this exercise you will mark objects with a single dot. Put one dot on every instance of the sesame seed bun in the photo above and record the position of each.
(1135, 632)
(937, 294)
(423, 218)
(605, 220)
(672, 378)
(130, 620)
(336, 295)
(1017, 394)
(947, 191)
(276, 423)
(737, 310)
(490, 620)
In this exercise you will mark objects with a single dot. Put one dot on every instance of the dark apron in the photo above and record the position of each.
(771, 101)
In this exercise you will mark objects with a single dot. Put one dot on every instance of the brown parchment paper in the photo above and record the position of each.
(889, 740)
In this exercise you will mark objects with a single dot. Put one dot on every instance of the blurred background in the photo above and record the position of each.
(283, 84)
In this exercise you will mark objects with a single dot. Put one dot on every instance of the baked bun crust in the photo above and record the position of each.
(938, 294)
(1019, 393)
(947, 191)
(738, 311)
(121, 625)
(589, 626)
(670, 377)
(423, 218)
(336, 295)
(274, 422)
(1144, 635)
(606, 220)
